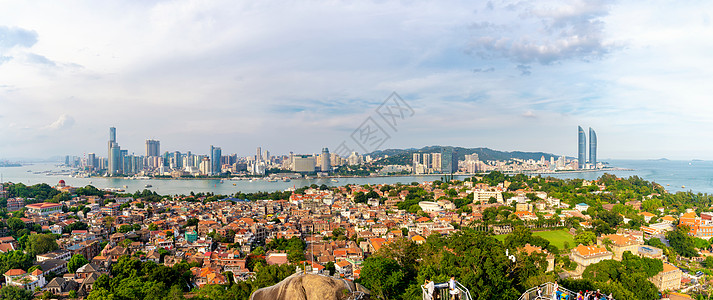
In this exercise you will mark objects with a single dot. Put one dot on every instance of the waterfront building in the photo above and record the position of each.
(112, 134)
(215, 154)
(427, 161)
(92, 161)
(592, 148)
(326, 165)
(449, 160)
(177, 160)
(115, 161)
(114, 153)
(153, 148)
(354, 159)
(205, 166)
(436, 162)
(582, 150)
(303, 163)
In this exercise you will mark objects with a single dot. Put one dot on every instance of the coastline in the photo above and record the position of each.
(695, 176)
(242, 178)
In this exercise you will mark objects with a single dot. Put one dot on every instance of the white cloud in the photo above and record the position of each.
(529, 114)
(63, 122)
(549, 32)
(302, 75)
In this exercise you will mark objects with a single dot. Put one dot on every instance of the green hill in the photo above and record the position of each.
(405, 156)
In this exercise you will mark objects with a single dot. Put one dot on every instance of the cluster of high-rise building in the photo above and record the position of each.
(176, 164)
(445, 161)
(582, 161)
(323, 162)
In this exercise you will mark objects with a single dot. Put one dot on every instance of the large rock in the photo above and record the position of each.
(311, 287)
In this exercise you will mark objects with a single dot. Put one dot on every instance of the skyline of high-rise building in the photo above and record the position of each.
(592, 147)
(581, 149)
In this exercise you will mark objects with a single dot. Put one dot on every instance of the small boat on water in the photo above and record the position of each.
(148, 186)
(334, 180)
(683, 186)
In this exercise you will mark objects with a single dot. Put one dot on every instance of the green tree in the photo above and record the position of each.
(360, 197)
(709, 262)
(585, 238)
(76, 262)
(611, 218)
(41, 243)
(700, 243)
(384, 277)
(681, 242)
(268, 275)
(258, 251)
(15, 293)
(15, 224)
(125, 228)
(176, 293)
(15, 260)
(330, 267)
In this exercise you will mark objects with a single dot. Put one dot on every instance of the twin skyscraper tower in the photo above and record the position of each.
(582, 157)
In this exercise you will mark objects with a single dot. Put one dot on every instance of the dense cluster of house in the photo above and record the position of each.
(313, 217)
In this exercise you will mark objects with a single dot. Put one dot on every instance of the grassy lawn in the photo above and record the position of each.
(556, 237)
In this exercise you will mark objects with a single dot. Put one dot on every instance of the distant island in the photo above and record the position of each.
(9, 164)
(404, 156)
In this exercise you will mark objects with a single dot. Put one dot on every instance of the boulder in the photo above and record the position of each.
(311, 287)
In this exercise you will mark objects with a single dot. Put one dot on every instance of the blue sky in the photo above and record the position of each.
(302, 75)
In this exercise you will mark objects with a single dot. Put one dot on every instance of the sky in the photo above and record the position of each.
(303, 75)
